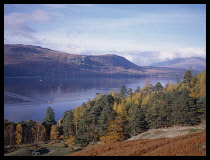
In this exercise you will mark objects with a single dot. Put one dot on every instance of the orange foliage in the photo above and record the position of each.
(193, 144)
(115, 131)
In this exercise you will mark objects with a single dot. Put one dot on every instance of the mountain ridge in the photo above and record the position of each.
(29, 60)
(196, 63)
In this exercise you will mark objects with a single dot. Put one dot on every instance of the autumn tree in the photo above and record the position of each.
(18, 134)
(148, 87)
(70, 141)
(114, 131)
(77, 112)
(25, 132)
(29, 131)
(54, 134)
(43, 134)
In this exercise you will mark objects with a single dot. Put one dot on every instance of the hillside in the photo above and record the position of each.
(27, 60)
(196, 63)
(193, 144)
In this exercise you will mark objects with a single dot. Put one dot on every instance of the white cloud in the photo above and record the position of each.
(145, 58)
(17, 24)
(181, 53)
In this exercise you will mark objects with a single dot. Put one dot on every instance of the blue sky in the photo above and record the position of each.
(142, 33)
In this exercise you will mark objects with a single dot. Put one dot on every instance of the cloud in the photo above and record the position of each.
(145, 58)
(182, 53)
(17, 24)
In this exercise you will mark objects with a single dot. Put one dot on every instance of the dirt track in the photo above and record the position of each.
(167, 132)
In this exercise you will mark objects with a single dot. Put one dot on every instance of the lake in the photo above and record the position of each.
(29, 98)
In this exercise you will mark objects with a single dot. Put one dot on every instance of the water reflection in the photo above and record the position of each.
(29, 98)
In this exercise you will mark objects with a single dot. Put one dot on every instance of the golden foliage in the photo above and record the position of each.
(145, 99)
(115, 106)
(115, 131)
(70, 141)
(198, 84)
(18, 134)
(54, 134)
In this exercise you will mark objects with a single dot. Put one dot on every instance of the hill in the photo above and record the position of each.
(28, 60)
(193, 144)
(196, 63)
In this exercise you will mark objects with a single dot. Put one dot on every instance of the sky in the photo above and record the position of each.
(142, 33)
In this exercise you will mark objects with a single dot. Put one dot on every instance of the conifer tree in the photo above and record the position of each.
(201, 106)
(105, 117)
(49, 119)
(67, 123)
(138, 89)
(187, 77)
(158, 87)
(137, 122)
(123, 90)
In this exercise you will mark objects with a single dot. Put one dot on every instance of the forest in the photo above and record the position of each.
(120, 115)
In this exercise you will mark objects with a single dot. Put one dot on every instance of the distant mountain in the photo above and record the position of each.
(196, 63)
(28, 60)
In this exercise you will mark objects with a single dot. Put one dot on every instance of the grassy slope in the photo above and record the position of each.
(193, 144)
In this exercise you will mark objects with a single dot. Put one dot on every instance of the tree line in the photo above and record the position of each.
(119, 115)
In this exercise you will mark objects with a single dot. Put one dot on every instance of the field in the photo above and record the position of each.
(192, 144)
(54, 149)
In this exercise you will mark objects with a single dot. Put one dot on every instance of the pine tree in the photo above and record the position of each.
(123, 90)
(130, 92)
(67, 123)
(29, 124)
(187, 77)
(138, 89)
(158, 87)
(84, 130)
(201, 106)
(49, 119)
(105, 117)
(137, 122)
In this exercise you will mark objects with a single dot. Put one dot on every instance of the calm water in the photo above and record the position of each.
(29, 98)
